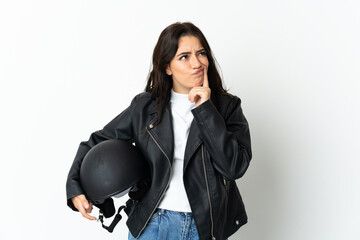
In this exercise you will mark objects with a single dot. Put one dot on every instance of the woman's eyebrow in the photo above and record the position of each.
(183, 53)
(190, 52)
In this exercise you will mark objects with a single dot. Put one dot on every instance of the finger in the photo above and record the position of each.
(195, 95)
(87, 206)
(199, 95)
(89, 210)
(192, 94)
(83, 206)
(195, 92)
(199, 91)
(82, 210)
(194, 99)
(84, 202)
(206, 80)
(85, 215)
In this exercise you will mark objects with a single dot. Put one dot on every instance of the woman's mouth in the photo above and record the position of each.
(199, 71)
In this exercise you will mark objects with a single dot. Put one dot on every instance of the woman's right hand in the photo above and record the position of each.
(83, 205)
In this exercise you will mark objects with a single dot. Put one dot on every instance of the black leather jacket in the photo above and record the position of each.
(217, 152)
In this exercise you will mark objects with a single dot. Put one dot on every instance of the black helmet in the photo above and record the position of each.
(113, 168)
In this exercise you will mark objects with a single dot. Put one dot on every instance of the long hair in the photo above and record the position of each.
(159, 83)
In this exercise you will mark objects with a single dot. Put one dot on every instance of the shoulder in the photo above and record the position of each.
(142, 102)
(226, 98)
(225, 102)
(142, 97)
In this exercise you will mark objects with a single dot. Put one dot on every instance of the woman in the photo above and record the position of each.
(196, 140)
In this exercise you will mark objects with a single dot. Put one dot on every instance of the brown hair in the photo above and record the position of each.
(159, 83)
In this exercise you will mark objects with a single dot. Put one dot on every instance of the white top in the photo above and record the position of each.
(175, 198)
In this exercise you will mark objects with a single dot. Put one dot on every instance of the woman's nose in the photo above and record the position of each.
(195, 62)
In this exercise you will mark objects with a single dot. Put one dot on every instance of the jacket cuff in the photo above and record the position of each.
(72, 194)
(203, 109)
(71, 205)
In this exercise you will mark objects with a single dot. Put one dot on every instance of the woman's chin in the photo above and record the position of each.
(198, 83)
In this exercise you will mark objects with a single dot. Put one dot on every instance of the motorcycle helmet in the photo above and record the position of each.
(113, 168)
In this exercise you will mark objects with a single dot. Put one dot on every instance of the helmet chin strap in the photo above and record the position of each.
(107, 208)
(115, 221)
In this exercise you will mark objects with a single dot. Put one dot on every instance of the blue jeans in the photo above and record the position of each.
(166, 224)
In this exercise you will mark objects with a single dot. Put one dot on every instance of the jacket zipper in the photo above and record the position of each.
(225, 184)
(208, 192)
(167, 185)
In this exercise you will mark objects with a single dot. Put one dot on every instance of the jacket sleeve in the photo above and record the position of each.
(119, 128)
(226, 138)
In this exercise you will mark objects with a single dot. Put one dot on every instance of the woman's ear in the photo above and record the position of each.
(168, 70)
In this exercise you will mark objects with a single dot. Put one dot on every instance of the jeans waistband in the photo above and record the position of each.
(164, 211)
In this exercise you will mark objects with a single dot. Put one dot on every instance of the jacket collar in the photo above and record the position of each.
(163, 132)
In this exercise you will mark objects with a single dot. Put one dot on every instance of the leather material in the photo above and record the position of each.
(218, 152)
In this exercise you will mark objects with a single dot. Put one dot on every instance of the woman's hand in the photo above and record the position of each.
(202, 93)
(83, 205)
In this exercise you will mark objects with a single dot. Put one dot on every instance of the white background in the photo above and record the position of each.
(68, 67)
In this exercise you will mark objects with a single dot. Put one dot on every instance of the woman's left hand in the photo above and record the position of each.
(202, 93)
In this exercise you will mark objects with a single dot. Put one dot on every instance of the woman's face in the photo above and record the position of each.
(188, 65)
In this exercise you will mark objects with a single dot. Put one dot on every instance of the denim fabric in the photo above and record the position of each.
(166, 224)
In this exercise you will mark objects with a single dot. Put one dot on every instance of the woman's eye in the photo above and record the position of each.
(183, 57)
(202, 53)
